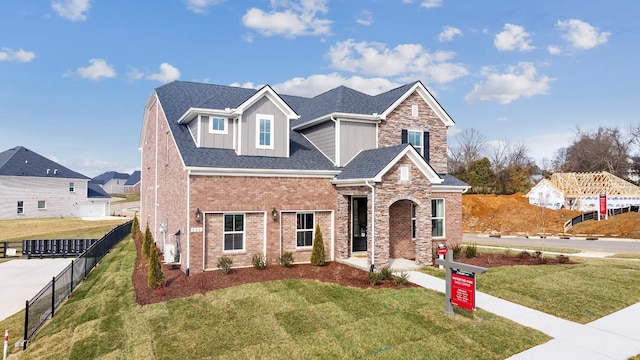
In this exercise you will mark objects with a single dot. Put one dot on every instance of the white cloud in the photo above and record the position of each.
(521, 81)
(502, 119)
(19, 55)
(554, 50)
(135, 74)
(581, 35)
(365, 18)
(97, 70)
(167, 74)
(448, 33)
(513, 37)
(317, 84)
(200, 6)
(295, 19)
(74, 10)
(406, 61)
(430, 4)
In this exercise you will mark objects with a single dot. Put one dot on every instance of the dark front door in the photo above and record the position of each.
(359, 224)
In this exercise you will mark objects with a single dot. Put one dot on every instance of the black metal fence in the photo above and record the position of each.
(594, 215)
(43, 306)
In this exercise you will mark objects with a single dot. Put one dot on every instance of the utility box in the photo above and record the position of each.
(169, 253)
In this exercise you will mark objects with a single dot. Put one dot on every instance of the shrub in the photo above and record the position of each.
(317, 252)
(456, 249)
(375, 278)
(562, 259)
(537, 254)
(259, 261)
(286, 259)
(402, 279)
(524, 255)
(155, 278)
(146, 240)
(135, 224)
(224, 264)
(386, 273)
(471, 251)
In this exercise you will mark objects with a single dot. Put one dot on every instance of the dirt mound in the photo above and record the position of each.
(513, 215)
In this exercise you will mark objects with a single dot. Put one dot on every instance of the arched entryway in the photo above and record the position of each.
(402, 229)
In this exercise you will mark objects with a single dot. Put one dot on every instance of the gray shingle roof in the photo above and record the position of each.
(107, 176)
(94, 191)
(367, 164)
(20, 161)
(450, 180)
(133, 179)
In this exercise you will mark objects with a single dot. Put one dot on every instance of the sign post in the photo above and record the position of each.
(442, 251)
(460, 284)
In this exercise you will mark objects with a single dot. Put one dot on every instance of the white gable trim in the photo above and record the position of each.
(373, 118)
(193, 113)
(268, 92)
(428, 98)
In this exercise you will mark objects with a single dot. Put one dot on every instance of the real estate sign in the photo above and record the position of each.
(463, 289)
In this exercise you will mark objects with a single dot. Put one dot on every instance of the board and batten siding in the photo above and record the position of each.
(355, 137)
(323, 136)
(60, 202)
(249, 129)
(218, 141)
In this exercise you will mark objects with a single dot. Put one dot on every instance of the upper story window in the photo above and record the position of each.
(217, 125)
(437, 218)
(72, 187)
(264, 131)
(20, 208)
(415, 139)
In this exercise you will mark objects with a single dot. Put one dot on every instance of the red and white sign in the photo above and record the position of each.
(603, 204)
(442, 250)
(463, 289)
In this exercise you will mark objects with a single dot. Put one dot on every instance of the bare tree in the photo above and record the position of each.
(602, 150)
(469, 147)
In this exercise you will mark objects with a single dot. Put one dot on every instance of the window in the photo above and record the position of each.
(413, 221)
(72, 187)
(264, 132)
(437, 218)
(415, 139)
(233, 232)
(42, 204)
(304, 230)
(217, 125)
(20, 207)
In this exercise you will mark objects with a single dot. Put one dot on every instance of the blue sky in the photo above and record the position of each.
(75, 74)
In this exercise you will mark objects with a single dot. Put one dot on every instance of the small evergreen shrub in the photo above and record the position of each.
(523, 255)
(402, 279)
(375, 278)
(155, 277)
(317, 252)
(224, 264)
(471, 251)
(259, 261)
(286, 259)
(562, 259)
(146, 240)
(386, 273)
(537, 254)
(135, 225)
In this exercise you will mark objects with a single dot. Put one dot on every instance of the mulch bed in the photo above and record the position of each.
(490, 260)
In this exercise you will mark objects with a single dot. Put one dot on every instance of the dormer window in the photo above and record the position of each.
(264, 132)
(217, 125)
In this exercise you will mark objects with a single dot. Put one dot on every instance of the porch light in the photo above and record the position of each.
(198, 215)
(274, 214)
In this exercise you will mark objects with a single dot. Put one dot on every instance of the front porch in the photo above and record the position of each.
(396, 265)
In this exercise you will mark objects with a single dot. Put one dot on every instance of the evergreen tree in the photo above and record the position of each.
(155, 277)
(317, 252)
(135, 224)
(148, 238)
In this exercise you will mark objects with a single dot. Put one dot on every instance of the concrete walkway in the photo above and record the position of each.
(616, 336)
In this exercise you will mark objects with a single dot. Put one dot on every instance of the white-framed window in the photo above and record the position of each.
(20, 207)
(233, 232)
(304, 229)
(42, 204)
(437, 218)
(72, 186)
(413, 221)
(264, 131)
(217, 125)
(415, 138)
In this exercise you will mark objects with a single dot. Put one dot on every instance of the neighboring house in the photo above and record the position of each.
(132, 185)
(229, 171)
(112, 182)
(32, 186)
(581, 191)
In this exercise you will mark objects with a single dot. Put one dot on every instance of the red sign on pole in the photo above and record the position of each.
(603, 204)
(442, 251)
(463, 289)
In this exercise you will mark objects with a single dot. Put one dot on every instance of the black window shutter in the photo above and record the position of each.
(425, 143)
(405, 136)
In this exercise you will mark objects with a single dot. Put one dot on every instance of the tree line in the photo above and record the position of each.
(506, 168)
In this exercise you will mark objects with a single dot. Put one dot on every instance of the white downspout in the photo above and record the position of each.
(373, 223)
(188, 229)
(336, 148)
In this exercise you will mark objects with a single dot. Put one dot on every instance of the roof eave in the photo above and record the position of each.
(374, 118)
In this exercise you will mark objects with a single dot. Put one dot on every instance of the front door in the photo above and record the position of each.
(359, 224)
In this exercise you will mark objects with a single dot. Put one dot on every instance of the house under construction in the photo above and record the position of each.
(581, 191)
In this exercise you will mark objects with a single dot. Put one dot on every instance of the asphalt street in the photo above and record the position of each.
(601, 245)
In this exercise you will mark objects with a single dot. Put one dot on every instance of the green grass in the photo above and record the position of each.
(624, 256)
(55, 228)
(582, 292)
(279, 319)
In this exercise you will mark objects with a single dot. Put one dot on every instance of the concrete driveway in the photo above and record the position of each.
(22, 279)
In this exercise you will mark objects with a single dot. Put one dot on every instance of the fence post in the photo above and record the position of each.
(71, 277)
(53, 296)
(26, 325)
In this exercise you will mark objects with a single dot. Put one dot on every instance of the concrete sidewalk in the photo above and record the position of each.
(616, 336)
(22, 279)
